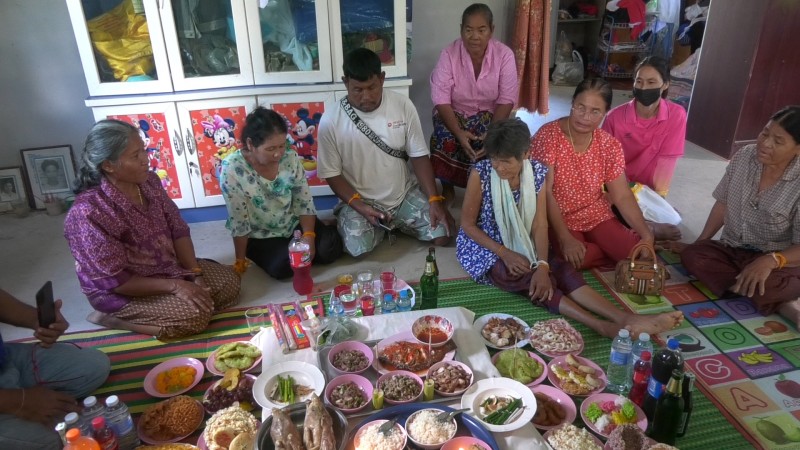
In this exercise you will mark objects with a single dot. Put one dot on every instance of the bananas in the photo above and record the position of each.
(753, 358)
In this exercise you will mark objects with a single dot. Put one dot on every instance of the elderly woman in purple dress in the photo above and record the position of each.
(133, 254)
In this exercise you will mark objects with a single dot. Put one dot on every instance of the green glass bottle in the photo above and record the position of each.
(667, 418)
(429, 283)
(432, 257)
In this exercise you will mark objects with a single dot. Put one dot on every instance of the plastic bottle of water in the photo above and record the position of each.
(72, 420)
(389, 305)
(618, 366)
(641, 345)
(404, 302)
(119, 420)
(300, 260)
(91, 409)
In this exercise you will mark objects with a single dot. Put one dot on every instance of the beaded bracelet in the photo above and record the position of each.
(355, 196)
(240, 266)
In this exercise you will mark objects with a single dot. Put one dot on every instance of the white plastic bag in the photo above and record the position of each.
(569, 73)
(654, 207)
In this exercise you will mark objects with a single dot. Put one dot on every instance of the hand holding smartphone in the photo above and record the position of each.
(45, 306)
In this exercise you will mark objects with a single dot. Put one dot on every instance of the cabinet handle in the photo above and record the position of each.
(176, 143)
(194, 169)
(189, 141)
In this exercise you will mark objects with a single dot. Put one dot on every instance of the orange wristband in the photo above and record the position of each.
(436, 198)
(355, 196)
(310, 233)
(197, 271)
(780, 260)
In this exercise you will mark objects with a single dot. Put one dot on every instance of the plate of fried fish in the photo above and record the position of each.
(404, 352)
(240, 355)
(308, 425)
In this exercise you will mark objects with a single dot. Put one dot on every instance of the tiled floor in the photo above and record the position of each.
(34, 250)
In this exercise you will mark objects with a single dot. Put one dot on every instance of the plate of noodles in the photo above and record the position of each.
(170, 420)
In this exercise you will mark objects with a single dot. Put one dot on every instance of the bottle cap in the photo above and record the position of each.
(89, 401)
(404, 293)
(61, 427)
(644, 337)
(98, 423)
(73, 434)
(71, 418)
(387, 297)
(623, 333)
(673, 344)
(112, 401)
(646, 356)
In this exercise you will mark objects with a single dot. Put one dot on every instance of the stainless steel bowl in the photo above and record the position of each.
(297, 412)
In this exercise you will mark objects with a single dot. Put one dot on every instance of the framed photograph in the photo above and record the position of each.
(50, 172)
(12, 187)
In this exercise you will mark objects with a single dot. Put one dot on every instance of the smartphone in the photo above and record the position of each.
(45, 306)
(382, 224)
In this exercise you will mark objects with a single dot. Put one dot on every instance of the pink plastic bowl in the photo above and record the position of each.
(386, 376)
(364, 384)
(351, 345)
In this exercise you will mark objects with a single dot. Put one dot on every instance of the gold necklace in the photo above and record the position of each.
(569, 131)
(139, 191)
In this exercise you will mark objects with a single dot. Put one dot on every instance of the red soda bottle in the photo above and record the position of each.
(103, 435)
(641, 375)
(300, 260)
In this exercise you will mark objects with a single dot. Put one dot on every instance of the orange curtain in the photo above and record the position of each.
(531, 45)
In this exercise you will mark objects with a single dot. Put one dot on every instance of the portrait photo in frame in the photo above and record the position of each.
(50, 172)
(12, 188)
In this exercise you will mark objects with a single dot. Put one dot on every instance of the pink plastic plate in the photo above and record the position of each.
(570, 411)
(641, 420)
(213, 357)
(147, 439)
(562, 361)
(150, 378)
(538, 360)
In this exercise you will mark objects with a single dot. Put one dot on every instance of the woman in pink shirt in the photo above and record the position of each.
(652, 130)
(473, 83)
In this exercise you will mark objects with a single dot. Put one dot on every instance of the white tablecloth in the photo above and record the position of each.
(471, 350)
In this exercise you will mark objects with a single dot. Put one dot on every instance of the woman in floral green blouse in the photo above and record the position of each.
(267, 196)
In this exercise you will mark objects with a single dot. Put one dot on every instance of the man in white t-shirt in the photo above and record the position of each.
(369, 173)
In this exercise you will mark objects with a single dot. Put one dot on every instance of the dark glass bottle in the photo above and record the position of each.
(688, 385)
(667, 418)
(663, 363)
(429, 284)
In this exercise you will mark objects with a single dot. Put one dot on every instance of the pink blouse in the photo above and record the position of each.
(453, 79)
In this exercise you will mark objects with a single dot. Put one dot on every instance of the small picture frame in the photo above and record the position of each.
(50, 172)
(12, 188)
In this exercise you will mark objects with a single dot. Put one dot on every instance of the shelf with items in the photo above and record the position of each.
(581, 27)
(619, 51)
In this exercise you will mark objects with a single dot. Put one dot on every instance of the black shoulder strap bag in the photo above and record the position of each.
(364, 128)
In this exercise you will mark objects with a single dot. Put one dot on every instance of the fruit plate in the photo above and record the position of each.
(558, 396)
(212, 358)
(533, 356)
(467, 425)
(303, 373)
(641, 420)
(150, 378)
(480, 391)
(480, 322)
(251, 378)
(561, 361)
(407, 336)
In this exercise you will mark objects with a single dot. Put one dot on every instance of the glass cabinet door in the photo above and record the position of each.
(207, 43)
(289, 40)
(379, 25)
(212, 130)
(159, 129)
(121, 46)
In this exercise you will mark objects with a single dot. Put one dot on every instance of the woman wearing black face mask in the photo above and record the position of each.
(652, 130)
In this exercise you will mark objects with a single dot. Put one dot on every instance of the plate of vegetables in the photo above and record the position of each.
(173, 376)
(526, 367)
(286, 383)
(501, 404)
(605, 412)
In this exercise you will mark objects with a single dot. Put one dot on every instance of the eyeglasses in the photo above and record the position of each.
(581, 110)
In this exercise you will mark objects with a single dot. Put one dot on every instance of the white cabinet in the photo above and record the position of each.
(187, 73)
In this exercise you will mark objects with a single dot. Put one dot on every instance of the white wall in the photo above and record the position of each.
(436, 24)
(42, 87)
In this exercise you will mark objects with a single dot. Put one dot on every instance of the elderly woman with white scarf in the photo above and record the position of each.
(503, 239)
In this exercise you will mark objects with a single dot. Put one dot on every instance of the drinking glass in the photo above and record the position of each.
(350, 303)
(388, 279)
(256, 319)
(364, 278)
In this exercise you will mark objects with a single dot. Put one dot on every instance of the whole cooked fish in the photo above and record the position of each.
(285, 435)
(413, 356)
(318, 426)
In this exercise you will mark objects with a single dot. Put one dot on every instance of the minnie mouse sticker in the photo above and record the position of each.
(215, 133)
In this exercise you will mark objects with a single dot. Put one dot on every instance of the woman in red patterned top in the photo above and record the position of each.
(582, 158)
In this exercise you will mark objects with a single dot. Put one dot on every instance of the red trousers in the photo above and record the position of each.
(717, 265)
(606, 244)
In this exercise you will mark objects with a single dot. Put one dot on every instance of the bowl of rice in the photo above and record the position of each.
(369, 438)
(427, 432)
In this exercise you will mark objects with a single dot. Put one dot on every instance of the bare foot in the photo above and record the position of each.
(665, 231)
(653, 323)
(676, 247)
(115, 323)
(99, 318)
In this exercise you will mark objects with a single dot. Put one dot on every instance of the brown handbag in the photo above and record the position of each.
(639, 275)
